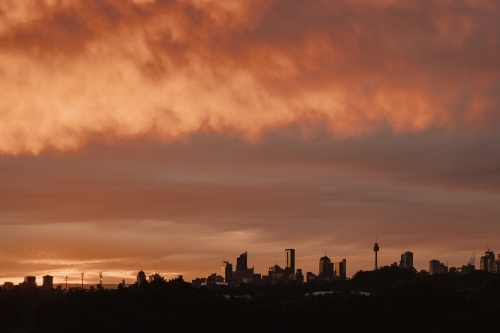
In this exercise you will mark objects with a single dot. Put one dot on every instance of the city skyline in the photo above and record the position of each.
(131, 277)
(172, 135)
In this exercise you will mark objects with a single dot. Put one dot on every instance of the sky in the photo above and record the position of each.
(170, 135)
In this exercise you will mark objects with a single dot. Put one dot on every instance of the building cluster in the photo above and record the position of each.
(405, 262)
(141, 278)
(488, 263)
(328, 271)
(30, 283)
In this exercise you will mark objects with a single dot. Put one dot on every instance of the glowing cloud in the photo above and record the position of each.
(72, 69)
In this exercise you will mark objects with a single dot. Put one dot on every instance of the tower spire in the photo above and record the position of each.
(376, 248)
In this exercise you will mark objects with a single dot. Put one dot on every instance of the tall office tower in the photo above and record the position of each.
(48, 282)
(406, 260)
(340, 269)
(326, 268)
(226, 271)
(290, 260)
(141, 278)
(488, 261)
(241, 262)
(376, 248)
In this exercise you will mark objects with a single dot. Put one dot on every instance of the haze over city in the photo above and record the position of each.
(169, 136)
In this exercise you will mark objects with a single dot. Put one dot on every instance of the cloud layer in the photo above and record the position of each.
(73, 69)
(118, 207)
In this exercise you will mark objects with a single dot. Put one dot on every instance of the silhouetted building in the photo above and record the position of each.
(496, 269)
(437, 267)
(48, 282)
(226, 271)
(325, 268)
(242, 272)
(311, 277)
(141, 278)
(8, 286)
(376, 248)
(465, 269)
(242, 262)
(340, 269)
(299, 277)
(276, 273)
(406, 260)
(198, 282)
(29, 282)
(155, 278)
(487, 263)
(290, 260)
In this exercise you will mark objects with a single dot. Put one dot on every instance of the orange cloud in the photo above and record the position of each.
(69, 70)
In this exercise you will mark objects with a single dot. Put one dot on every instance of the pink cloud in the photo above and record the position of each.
(71, 70)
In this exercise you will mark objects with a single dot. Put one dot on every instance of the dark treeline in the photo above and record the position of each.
(400, 300)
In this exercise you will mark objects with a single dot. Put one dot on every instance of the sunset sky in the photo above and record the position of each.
(174, 134)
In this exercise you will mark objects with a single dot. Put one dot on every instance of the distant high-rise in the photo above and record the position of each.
(406, 260)
(488, 262)
(290, 260)
(434, 267)
(340, 269)
(437, 267)
(241, 262)
(376, 248)
(141, 278)
(48, 282)
(29, 281)
(299, 277)
(325, 268)
(226, 271)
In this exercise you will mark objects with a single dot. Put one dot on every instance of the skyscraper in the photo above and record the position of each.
(241, 262)
(488, 261)
(290, 260)
(406, 260)
(226, 271)
(340, 269)
(325, 268)
(376, 248)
